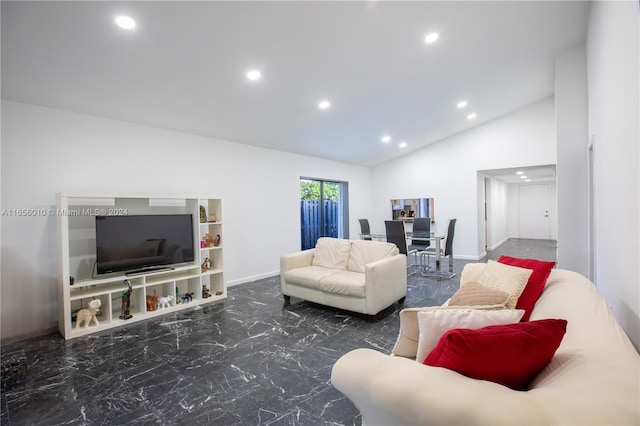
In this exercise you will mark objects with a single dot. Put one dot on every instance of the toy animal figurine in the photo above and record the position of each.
(205, 291)
(126, 302)
(89, 314)
(188, 297)
(165, 302)
(152, 301)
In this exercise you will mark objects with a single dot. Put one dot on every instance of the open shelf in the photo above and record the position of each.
(78, 248)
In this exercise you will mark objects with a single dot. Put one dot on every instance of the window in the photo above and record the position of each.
(323, 210)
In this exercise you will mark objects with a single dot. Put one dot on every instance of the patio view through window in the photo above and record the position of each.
(323, 210)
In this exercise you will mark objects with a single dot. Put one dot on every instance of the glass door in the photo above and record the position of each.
(323, 211)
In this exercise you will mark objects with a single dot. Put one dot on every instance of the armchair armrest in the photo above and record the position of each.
(299, 259)
(385, 282)
(471, 272)
(391, 390)
(289, 261)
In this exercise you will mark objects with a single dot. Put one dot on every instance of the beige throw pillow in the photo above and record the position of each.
(407, 342)
(507, 278)
(473, 293)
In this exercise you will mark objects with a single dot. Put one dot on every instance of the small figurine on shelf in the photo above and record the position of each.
(208, 240)
(206, 264)
(152, 301)
(203, 215)
(212, 217)
(165, 302)
(126, 302)
(89, 314)
(187, 297)
(216, 241)
(205, 291)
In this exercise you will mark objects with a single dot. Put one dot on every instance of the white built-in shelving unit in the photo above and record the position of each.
(76, 220)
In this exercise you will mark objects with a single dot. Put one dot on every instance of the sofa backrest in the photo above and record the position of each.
(363, 252)
(332, 253)
(351, 255)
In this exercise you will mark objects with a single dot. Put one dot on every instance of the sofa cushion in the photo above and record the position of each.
(332, 253)
(345, 283)
(407, 342)
(363, 252)
(507, 278)
(473, 293)
(511, 354)
(433, 324)
(535, 284)
(309, 276)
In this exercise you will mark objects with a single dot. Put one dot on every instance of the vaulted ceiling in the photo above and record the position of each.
(184, 67)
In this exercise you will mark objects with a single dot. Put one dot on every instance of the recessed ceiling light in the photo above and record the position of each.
(125, 22)
(462, 104)
(324, 104)
(402, 144)
(254, 75)
(472, 116)
(528, 180)
(430, 38)
(519, 172)
(523, 177)
(386, 139)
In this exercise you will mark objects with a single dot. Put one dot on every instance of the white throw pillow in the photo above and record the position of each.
(511, 279)
(434, 323)
(407, 342)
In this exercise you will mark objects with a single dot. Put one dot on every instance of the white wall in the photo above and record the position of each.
(447, 170)
(571, 170)
(612, 63)
(497, 212)
(45, 151)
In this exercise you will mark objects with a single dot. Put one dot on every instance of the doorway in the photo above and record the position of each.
(323, 210)
(534, 212)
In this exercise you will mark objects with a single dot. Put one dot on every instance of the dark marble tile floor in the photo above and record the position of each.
(249, 360)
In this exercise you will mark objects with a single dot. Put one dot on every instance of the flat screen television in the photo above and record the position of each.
(141, 243)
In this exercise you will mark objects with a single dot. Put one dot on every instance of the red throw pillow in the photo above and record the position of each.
(510, 354)
(535, 285)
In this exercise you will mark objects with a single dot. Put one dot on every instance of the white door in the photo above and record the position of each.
(534, 212)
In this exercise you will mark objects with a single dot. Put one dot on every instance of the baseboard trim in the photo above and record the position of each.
(468, 257)
(252, 278)
(23, 337)
(495, 246)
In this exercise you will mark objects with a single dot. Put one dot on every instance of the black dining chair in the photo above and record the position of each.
(365, 231)
(448, 249)
(421, 228)
(397, 235)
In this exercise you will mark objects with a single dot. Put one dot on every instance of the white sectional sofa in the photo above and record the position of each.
(355, 275)
(593, 378)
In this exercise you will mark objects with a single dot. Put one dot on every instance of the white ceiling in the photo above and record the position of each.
(183, 67)
(537, 174)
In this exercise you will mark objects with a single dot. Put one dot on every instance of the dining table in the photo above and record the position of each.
(424, 269)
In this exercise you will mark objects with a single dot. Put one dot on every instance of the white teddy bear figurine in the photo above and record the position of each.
(88, 314)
